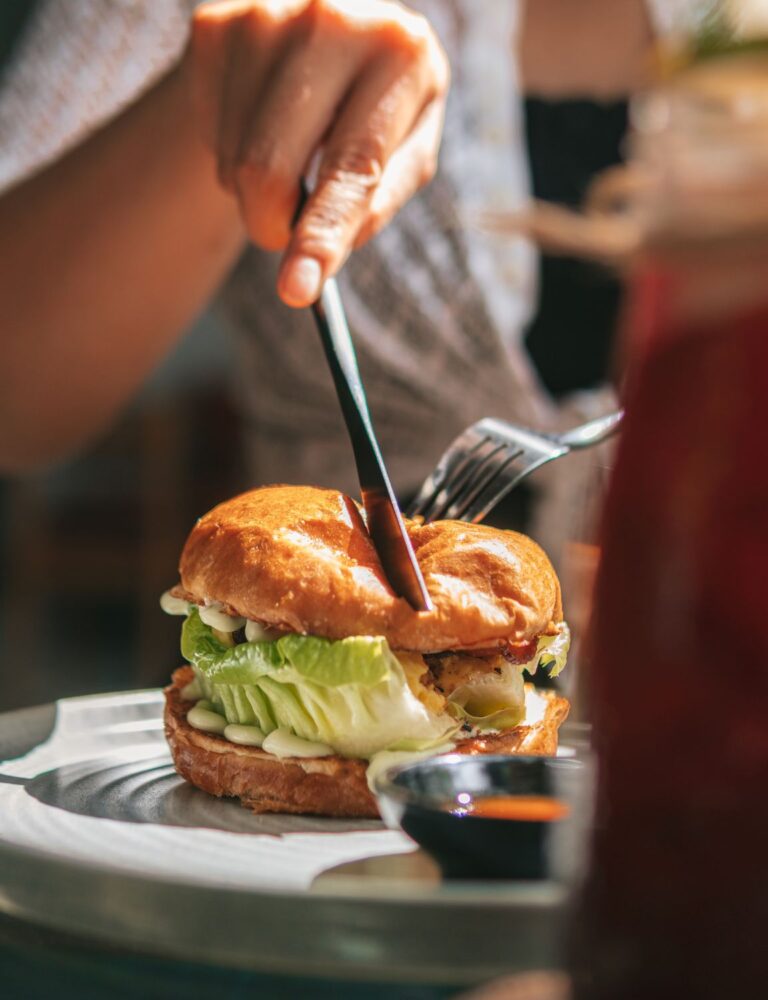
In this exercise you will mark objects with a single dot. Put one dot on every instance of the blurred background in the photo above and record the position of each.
(89, 546)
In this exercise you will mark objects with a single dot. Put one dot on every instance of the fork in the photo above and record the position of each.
(487, 461)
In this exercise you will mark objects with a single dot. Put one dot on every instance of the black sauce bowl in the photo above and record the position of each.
(420, 798)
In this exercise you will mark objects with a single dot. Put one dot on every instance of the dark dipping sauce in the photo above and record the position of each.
(487, 816)
(522, 808)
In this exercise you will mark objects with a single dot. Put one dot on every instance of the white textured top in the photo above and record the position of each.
(78, 64)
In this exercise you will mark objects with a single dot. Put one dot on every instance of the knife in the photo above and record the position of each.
(383, 517)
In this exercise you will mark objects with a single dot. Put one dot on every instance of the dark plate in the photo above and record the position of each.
(100, 840)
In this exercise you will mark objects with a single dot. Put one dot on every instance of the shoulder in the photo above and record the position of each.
(76, 66)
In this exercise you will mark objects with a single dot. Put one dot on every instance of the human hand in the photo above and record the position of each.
(361, 82)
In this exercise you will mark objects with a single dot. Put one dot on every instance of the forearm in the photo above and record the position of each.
(106, 256)
(584, 48)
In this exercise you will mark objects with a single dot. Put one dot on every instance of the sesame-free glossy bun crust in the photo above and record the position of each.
(299, 557)
(321, 786)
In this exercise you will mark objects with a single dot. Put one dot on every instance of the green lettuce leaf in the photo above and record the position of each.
(356, 660)
(492, 700)
(497, 700)
(552, 651)
(351, 694)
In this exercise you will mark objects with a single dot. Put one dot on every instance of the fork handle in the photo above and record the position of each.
(591, 433)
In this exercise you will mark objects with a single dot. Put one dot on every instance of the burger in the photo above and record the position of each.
(307, 675)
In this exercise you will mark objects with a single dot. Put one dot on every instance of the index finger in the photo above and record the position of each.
(385, 104)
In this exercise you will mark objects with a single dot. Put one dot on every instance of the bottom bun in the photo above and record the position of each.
(322, 786)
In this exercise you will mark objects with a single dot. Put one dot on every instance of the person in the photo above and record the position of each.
(107, 165)
(437, 306)
(115, 230)
(117, 222)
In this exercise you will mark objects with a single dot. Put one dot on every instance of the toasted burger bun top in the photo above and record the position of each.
(299, 557)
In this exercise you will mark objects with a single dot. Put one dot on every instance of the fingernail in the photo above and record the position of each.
(301, 281)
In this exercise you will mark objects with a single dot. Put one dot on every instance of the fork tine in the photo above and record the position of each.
(463, 477)
(521, 465)
(488, 481)
(495, 491)
(456, 454)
